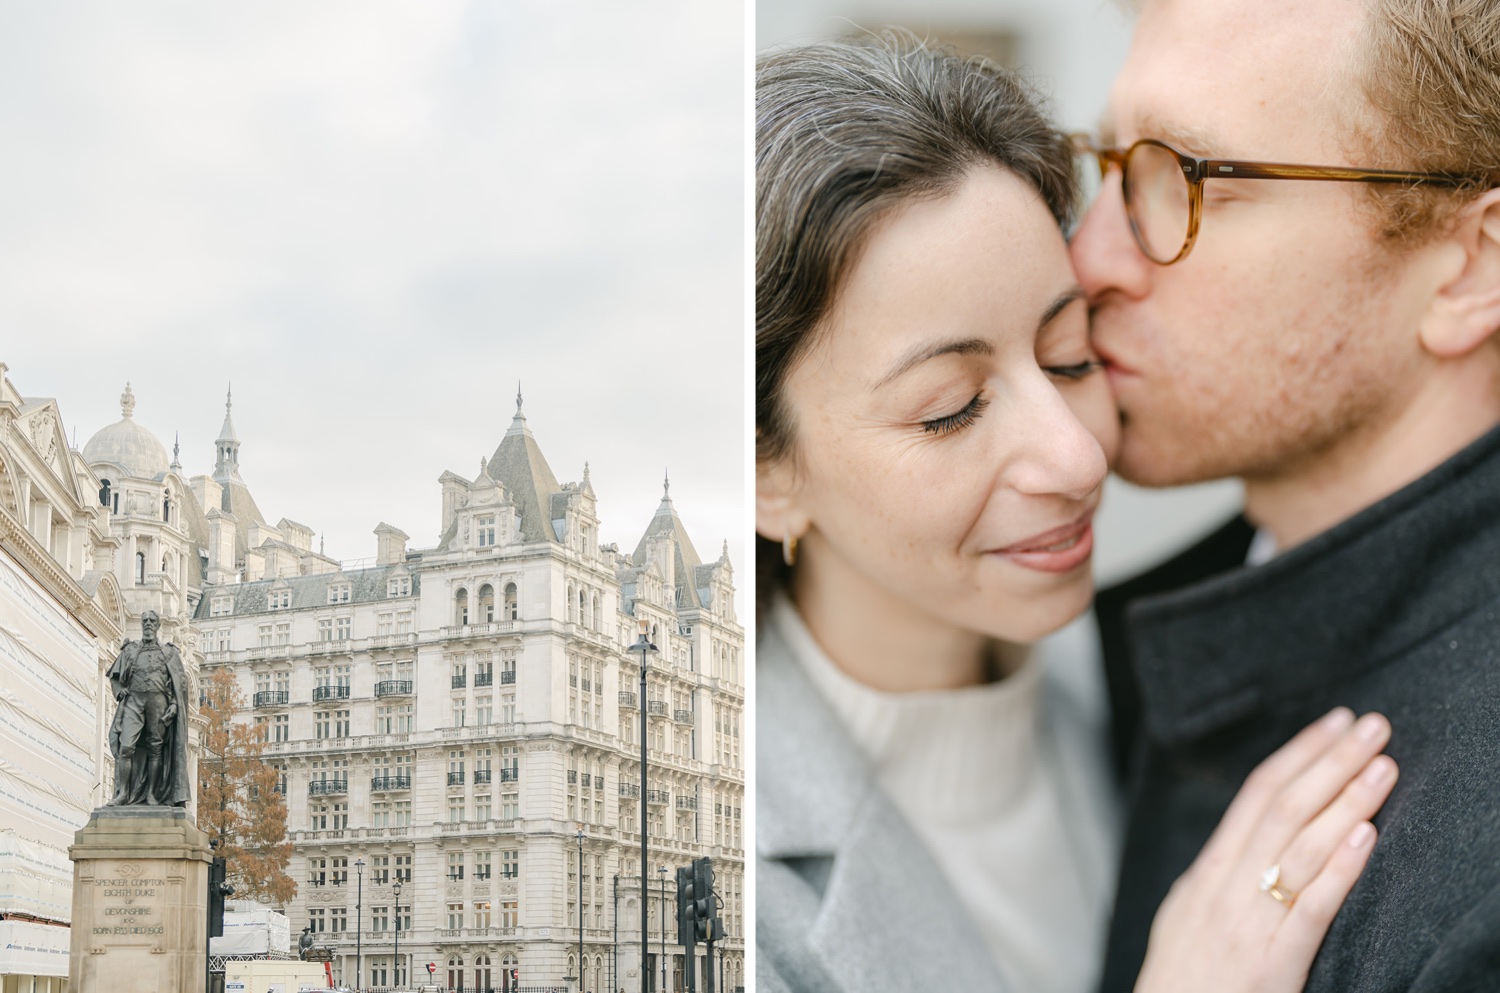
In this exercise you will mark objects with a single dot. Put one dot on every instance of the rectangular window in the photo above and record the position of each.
(481, 913)
(284, 633)
(403, 862)
(458, 712)
(262, 729)
(510, 914)
(339, 866)
(340, 816)
(317, 872)
(482, 807)
(322, 724)
(455, 916)
(380, 870)
(325, 629)
(318, 920)
(279, 599)
(221, 606)
(508, 708)
(455, 809)
(455, 866)
(380, 918)
(224, 640)
(482, 865)
(384, 624)
(338, 919)
(484, 710)
(401, 817)
(341, 724)
(343, 628)
(263, 636)
(510, 863)
(317, 817)
(510, 806)
(486, 531)
(403, 622)
(338, 593)
(398, 586)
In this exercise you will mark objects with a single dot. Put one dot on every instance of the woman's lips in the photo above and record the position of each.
(1058, 550)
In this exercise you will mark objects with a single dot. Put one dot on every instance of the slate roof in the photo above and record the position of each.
(519, 464)
(366, 586)
(691, 573)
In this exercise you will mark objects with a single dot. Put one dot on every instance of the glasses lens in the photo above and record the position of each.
(1156, 198)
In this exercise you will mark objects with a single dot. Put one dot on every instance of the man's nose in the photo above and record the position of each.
(1103, 249)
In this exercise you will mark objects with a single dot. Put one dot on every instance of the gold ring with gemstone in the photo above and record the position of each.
(1270, 883)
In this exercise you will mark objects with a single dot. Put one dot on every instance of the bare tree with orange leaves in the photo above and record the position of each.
(240, 802)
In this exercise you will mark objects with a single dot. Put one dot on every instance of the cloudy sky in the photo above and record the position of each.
(375, 218)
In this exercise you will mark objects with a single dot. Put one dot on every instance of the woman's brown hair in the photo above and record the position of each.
(844, 131)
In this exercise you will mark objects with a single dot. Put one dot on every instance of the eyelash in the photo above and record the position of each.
(1076, 371)
(959, 420)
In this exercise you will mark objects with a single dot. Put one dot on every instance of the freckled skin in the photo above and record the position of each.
(904, 522)
(1282, 339)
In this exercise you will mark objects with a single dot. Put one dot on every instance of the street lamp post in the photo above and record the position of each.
(644, 646)
(614, 950)
(661, 873)
(580, 910)
(359, 923)
(397, 890)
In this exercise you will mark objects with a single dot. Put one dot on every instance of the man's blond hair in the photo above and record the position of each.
(1431, 71)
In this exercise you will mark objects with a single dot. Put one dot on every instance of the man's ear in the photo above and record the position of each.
(778, 514)
(1465, 313)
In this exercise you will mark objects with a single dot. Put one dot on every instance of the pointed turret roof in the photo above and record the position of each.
(666, 524)
(226, 433)
(519, 464)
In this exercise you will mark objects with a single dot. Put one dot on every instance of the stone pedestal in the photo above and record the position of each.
(140, 902)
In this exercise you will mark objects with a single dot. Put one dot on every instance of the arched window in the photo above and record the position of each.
(486, 603)
(585, 617)
(166, 506)
(140, 568)
(482, 973)
(104, 493)
(461, 606)
(455, 972)
(598, 624)
(509, 973)
(512, 611)
(572, 605)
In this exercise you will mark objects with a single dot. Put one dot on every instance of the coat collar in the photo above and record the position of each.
(816, 798)
(1363, 592)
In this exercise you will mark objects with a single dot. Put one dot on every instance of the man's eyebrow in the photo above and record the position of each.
(924, 351)
(1196, 140)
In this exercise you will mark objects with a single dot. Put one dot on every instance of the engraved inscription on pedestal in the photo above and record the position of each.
(140, 884)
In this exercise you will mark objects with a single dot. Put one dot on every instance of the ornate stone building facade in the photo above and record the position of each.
(61, 617)
(453, 718)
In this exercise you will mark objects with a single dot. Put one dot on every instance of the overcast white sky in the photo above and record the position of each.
(375, 218)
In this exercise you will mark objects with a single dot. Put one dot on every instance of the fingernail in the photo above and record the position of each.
(1338, 717)
(1379, 771)
(1361, 835)
(1371, 727)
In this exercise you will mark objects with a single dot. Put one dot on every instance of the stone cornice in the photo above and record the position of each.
(20, 543)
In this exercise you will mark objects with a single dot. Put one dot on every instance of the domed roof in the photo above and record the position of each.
(125, 443)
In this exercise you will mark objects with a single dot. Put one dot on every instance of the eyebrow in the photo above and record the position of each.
(1194, 140)
(971, 346)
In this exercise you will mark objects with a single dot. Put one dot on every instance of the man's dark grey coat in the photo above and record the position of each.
(1213, 665)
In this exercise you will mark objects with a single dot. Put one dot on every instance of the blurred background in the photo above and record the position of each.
(1070, 50)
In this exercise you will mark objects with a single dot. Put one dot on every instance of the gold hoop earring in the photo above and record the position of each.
(788, 548)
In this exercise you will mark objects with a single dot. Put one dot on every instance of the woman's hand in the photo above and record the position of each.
(1227, 925)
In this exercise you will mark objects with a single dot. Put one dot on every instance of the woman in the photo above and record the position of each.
(932, 438)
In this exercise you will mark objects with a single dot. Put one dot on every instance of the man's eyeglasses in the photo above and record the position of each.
(1163, 188)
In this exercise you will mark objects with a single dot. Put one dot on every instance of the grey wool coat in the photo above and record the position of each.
(847, 898)
(1213, 665)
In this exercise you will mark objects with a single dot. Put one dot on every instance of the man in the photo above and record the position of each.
(149, 735)
(1334, 345)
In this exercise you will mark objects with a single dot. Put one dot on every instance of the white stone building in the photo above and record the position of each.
(61, 618)
(453, 717)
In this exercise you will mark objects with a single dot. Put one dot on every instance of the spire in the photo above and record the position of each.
(585, 472)
(227, 460)
(518, 424)
(127, 401)
(666, 485)
(176, 465)
(724, 554)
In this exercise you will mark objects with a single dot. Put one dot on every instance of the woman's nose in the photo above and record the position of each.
(1105, 255)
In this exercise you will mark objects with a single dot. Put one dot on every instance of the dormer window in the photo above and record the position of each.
(221, 606)
(279, 599)
(485, 530)
(398, 586)
(339, 593)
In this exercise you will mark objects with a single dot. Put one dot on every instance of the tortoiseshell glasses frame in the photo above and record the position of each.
(1155, 207)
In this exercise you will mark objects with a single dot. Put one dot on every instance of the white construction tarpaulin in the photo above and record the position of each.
(29, 949)
(34, 879)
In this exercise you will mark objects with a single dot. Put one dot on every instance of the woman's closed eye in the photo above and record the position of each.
(1077, 370)
(959, 419)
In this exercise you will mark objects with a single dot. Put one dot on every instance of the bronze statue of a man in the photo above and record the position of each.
(149, 735)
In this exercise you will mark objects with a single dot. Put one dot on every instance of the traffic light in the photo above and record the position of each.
(703, 898)
(685, 905)
(218, 889)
